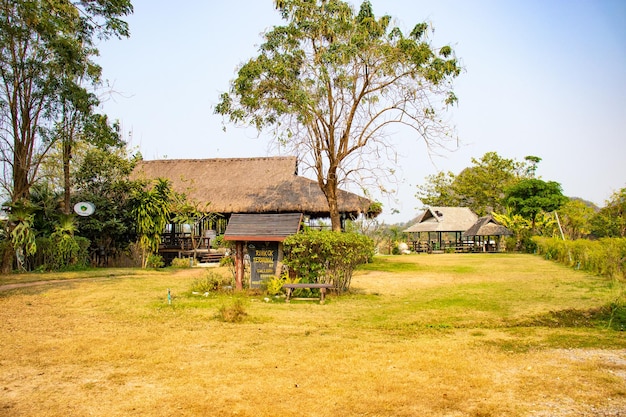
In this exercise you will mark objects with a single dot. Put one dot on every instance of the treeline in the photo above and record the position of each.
(522, 201)
(51, 134)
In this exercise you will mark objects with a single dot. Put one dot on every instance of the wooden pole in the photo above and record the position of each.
(239, 265)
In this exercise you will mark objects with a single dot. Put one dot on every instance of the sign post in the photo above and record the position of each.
(263, 259)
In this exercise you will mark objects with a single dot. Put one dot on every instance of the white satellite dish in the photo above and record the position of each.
(84, 208)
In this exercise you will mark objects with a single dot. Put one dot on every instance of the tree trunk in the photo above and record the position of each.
(335, 216)
(21, 186)
(7, 258)
(239, 266)
(67, 156)
(330, 191)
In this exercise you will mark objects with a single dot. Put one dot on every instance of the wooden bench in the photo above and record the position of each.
(321, 287)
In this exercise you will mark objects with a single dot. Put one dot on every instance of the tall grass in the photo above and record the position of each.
(605, 256)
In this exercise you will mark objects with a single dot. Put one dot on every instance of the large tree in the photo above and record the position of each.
(102, 178)
(46, 50)
(532, 196)
(610, 221)
(331, 81)
(480, 187)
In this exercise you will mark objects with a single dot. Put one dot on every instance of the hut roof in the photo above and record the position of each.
(262, 227)
(444, 219)
(487, 226)
(248, 185)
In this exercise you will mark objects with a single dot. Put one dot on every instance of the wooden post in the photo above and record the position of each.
(279, 260)
(239, 265)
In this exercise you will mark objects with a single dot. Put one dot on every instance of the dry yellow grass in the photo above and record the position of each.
(443, 335)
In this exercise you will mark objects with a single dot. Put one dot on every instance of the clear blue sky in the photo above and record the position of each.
(542, 77)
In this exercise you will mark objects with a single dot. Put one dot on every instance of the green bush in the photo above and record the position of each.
(212, 281)
(327, 257)
(155, 261)
(182, 262)
(274, 285)
(60, 252)
(605, 256)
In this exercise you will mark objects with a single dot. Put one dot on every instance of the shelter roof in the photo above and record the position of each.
(262, 227)
(487, 226)
(248, 185)
(444, 219)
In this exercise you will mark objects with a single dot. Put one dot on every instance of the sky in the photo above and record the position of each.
(541, 77)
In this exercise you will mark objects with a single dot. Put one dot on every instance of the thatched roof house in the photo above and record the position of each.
(444, 219)
(439, 228)
(487, 226)
(248, 185)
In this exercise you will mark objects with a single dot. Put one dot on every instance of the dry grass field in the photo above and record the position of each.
(420, 335)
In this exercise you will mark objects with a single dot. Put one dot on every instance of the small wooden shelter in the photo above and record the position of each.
(441, 228)
(482, 232)
(263, 235)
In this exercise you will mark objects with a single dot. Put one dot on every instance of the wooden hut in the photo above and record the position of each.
(441, 229)
(486, 235)
(225, 186)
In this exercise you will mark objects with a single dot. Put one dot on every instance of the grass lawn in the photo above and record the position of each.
(419, 335)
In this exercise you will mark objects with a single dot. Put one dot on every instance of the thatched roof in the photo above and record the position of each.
(487, 226)
(444, 219)
(248, 185)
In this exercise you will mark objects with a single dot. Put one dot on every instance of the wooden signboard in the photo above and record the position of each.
(263, 259)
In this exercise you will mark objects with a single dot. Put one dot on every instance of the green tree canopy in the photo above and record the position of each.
(531, 196)
(610, 221)
(480, 187)
(102, 178)
(46, 51)
(576, 216)
(331, 81)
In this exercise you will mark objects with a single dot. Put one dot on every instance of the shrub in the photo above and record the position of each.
(182, 262)
(327, 257)
(212, 281)
(274, 285)
(606, 256)
(155, 261)
(60, 252)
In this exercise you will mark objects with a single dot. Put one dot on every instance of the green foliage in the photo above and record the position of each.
(532, 196)
(576, 216)
(375, 76)
(151, 211)
(274, 285)
(60, 253)
(211, 282)
(327, 257)
(480, 187)
(182, 262)
(154, 261)
(103, 179)
(610, 221)
(606, 256)
(65, 247)
(21, 218)
(46, 56)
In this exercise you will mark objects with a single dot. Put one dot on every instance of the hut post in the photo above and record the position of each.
(239, 265)
(279, 260)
